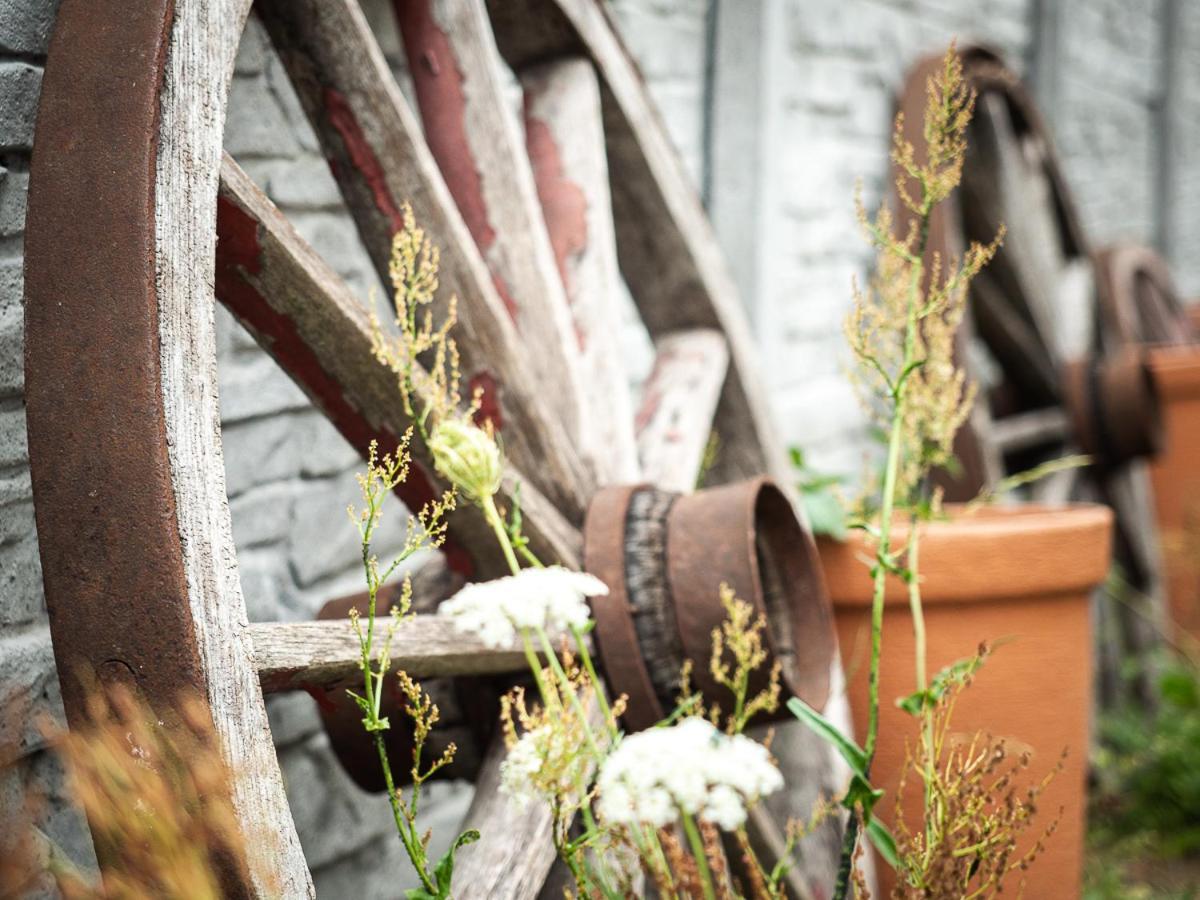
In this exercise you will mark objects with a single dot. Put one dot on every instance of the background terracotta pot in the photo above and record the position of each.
(1175, 474)
(1024, 574)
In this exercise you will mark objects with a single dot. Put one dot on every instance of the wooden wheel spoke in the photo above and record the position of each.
(1007, 183)
(308, 320)
(292, 655)
(564, 134)
(679, 401)
(666, 248)
(1013, 341)
(475, 139)
(1039, 427)
(381, 161)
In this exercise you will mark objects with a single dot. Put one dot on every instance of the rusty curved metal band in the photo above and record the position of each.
(1114, 406)
(112, 560)
(1128, 313)
(745, 535)
(616, 639)
(733, 534)
(104, 501)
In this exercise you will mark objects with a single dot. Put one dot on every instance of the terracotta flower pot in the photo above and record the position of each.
(1175, 474)
(1023, 574)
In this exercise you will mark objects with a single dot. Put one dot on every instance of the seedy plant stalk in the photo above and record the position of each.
(902, 333)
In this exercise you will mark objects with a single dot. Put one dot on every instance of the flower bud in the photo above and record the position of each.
(467, 456)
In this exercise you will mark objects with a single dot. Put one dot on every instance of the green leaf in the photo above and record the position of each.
(884, 842)
(796, 455)
(861, 794)
(443, 872)
(854, 755)
(419, 894)
(825, 513)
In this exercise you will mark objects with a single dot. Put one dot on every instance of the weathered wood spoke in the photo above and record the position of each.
(679, 401)
(475, 139)
(564, 135)
(380, 160)
(294, 655)
(303, 314)
(668, 253)
(1031, 429)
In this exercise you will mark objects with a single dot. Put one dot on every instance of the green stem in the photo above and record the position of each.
(697, 845)
(569, 690)
(585, 657)
(535, 666)
(488, 506)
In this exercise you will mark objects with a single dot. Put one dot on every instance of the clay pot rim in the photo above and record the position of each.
(1176, 371)
(1055, 550)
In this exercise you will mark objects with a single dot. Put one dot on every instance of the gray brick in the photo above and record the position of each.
(333, 817)
(256, 125)
(13, 447)
(12, 344)
(20, 84)
(294, 718)
(25, 25)
(258, 452)
(253, 386)
(14, 185)
(28, 689)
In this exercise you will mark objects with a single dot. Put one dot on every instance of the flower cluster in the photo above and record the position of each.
(689, 768)
(550, 599)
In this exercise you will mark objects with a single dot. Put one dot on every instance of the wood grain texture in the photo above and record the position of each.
(464, 98)
(679, 400)
(564, 136)
(198, 70)
(516, 849)
(380, 160)
(666, 248)
(304, 315)
(294, 655)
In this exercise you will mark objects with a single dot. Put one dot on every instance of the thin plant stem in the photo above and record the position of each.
(488, 506)
(697, 845)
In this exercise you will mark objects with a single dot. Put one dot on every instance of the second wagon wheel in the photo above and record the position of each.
(138, 557)
(1054, 378)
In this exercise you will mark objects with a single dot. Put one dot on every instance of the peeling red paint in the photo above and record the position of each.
(362, 155)
(438, 81)
(489, 408)
(239, 254)
(564, 204)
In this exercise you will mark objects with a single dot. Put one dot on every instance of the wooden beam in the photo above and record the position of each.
(667, 251)
(294, 655)
(564, 134)
(1031, 429)
(380, 160)
(305, 316)
(679, 400)
(473, 133)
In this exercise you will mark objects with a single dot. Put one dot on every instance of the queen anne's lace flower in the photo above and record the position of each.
(691, 767)
(553, 598)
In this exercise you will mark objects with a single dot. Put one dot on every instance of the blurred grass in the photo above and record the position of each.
(1144, 803)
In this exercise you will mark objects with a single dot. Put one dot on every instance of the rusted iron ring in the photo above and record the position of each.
(664, 557)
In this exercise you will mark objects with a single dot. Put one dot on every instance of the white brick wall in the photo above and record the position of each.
(801, 93)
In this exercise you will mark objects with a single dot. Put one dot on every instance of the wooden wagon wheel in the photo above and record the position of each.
(1138, 299)
(136, 220)
(1053, 376)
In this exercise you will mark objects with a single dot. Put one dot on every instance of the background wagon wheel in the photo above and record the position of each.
(1055, 374)
(138, 558)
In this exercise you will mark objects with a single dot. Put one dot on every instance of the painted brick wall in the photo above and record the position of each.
(777, 122)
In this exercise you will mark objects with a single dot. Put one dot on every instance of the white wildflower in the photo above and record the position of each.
(553, 598)
(538, 759)
(691, 767)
